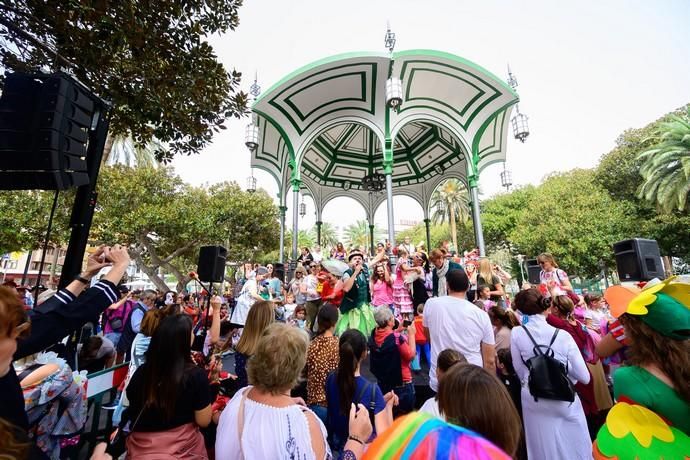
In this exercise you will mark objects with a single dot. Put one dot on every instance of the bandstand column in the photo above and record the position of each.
(388, 170)
(476, 218)
(427, 225)
(318, 232)
(372, 247)
(296, 184)
(283, 210)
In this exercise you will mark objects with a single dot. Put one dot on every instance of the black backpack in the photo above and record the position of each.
(384, 362)
(548, 377)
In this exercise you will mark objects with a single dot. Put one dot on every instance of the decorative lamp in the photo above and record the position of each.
(302, 208)
(439, 169)
(506, 178)
(347, 185)
(251, 183)
(251, 136)
(374, 182)
(520, 128)
(394, 92)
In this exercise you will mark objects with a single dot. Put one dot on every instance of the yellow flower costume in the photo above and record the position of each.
(633, 431)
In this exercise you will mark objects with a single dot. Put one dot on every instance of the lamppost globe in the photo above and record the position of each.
(394, 92)
(251, 137)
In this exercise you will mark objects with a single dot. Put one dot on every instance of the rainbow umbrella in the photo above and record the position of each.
(419, 436)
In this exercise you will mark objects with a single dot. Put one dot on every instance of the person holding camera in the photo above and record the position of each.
(391, 352)
(23, 333)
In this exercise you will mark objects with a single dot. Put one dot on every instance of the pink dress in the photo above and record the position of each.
(382, 295)
(401, 295)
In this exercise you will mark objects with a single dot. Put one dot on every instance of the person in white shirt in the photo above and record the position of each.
(317, 255)
(446, 359)
(453, 322)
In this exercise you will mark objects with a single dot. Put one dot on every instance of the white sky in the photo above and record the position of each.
(587, 70)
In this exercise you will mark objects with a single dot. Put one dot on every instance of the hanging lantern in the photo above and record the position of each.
(251, 184)
(506, 178)
(251, 136)
(520, 128)
(394, 92)
(302, 208)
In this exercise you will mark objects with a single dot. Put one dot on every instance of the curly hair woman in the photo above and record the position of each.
(659, 373)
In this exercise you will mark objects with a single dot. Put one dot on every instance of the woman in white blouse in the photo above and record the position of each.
(262, 420)
(553, 429)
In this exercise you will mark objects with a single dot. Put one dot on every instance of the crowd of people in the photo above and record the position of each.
(327, 364)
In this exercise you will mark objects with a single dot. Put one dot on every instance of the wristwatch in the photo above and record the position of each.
(82, 279)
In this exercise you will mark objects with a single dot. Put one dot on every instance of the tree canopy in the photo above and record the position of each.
(150, 59)
(164, 220)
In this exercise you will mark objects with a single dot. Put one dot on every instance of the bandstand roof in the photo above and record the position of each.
(325, 124)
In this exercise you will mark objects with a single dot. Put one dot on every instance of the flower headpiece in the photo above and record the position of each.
(662, 305)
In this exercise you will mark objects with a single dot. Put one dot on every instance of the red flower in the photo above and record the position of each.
(193, 275)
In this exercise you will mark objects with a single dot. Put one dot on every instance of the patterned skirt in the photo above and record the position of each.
(361, 318)
(402, 298)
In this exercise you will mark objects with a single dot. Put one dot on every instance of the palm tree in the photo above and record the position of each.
(357, 234)
(450, 201)
(121, 149)
(304, 240)
(666, 166)
(329, 237)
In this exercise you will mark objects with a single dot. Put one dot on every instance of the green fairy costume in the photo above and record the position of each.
(355, 309)
(650, 419)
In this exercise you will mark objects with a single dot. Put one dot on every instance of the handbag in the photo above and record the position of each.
(115, 324)
(116, 444)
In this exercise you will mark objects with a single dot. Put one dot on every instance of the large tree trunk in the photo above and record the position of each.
(453, 229)
(107, 148)
(149, 271)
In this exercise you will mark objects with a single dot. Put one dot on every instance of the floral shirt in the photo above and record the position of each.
(322, 359)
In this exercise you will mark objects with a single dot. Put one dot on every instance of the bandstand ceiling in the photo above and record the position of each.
(326, 122)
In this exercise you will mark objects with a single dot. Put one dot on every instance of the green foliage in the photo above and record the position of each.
(150, 59)
(329, 237)
(304, 239)
(619, 173)
(357, 234)
(24, 218)
(501, 213)
(666, 166)
(575, 219)
(438, 234)
(164, 220)
(450, 202)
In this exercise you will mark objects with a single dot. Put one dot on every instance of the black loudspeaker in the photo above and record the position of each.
(638, 260)
(533, 271)
(279, 270)
(211, 266)
(44, 131)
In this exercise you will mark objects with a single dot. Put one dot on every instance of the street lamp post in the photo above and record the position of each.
(521, 262)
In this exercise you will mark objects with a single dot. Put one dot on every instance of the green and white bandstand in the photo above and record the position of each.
(373, 125)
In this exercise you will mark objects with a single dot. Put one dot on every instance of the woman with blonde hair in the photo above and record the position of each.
(487, 277)
(553, 280)
(260, 316)
(263, 420)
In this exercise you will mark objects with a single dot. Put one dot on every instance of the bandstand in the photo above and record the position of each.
(373, 125)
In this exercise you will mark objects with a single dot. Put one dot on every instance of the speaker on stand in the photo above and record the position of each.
(533, 271)
(638, 259)
(211, 266)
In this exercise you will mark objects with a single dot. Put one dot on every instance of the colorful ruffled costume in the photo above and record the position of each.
(632, 430)
(419, 436)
